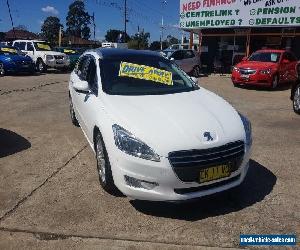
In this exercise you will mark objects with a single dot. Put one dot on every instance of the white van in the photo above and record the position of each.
(43, 55)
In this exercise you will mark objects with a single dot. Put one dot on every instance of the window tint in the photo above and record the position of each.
(188, 54)
(92, 75)
(82, 67)
(29, 47)
(20, 45)
(178, 55)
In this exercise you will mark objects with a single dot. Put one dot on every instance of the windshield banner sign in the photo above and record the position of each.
(204, 14)
(144, 72)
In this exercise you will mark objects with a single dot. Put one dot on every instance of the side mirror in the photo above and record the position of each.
(285, 61)
(244, 58)
(81, 86)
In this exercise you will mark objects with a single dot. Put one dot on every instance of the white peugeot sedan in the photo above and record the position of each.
(156, 134)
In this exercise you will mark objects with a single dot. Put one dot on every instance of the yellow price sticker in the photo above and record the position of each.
(145, 73)
(43, 46)
(9, 50)
(69, 51)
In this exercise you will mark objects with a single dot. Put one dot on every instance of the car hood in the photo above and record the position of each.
(17, 58)
(52, 53)
(255, 65)
(176, 121)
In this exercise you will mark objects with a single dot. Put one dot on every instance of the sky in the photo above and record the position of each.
(109, 14)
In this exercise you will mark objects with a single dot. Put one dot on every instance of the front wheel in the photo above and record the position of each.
(196, 71)
(296, 100)
(103, 166)
(40, 66)
(275, 81)
(2, 71)
(72, 113)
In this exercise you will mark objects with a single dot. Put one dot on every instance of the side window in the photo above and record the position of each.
(188, 54)
(81, 67)
(291, 57)
(17, 44)
(92, 78)
(21, 45)
(178, 55)
(30, 47)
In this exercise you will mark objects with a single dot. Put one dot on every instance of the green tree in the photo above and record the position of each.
(139, 41)
(50, 29)
(113, 35)
(155, 45)
(172, 40)
(78, 20)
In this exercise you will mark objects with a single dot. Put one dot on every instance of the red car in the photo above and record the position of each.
(267, 68)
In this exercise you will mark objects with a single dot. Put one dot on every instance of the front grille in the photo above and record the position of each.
(59, 57)
(247, 71)
(187, 164)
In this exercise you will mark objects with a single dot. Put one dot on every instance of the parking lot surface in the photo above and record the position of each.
(50, 196)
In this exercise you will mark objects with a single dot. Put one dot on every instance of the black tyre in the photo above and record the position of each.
(103, 166)
(196, 71)
(2, 71)
(275, 81)
(40, 66)
(296, 100)
(72, 114)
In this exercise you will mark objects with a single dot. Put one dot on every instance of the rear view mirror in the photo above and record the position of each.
(81, 86)
(172, 59)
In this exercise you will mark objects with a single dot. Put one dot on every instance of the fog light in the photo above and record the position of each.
(133, 182)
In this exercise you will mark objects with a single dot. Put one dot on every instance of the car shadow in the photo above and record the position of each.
(283, 87)
(12, 143)
(258, 184)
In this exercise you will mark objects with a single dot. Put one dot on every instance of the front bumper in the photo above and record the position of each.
(170, 187)
(253, 79)
(16, 68)
(57, 64)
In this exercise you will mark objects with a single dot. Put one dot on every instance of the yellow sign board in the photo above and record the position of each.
(9, 50)
(70, 51)
(43, 46)
(144, 72)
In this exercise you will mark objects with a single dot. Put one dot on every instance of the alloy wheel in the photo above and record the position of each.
(296, 100)
(101, 162)
(275, 81)
(2, 72)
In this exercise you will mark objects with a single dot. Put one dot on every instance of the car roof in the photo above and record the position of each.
(35, 41)
(114, 52)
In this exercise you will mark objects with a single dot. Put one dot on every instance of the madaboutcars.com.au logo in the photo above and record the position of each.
(267, 240)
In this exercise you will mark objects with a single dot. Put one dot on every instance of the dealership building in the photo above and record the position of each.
(228, 30)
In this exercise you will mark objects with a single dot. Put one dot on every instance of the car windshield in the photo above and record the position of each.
(143, 75)
(8, 51)
(42, 46)
(265, 57)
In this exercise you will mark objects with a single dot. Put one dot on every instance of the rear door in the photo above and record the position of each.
(284, 68)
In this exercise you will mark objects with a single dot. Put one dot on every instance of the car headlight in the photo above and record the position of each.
(49, 57)
(266, 71)
(235, 69)
(131, 145)
(248, 129)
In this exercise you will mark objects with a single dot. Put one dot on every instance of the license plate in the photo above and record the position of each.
(246, 77)
(215, 173)
(59, 62)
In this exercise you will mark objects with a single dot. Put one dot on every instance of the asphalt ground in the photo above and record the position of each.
(50, 197)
